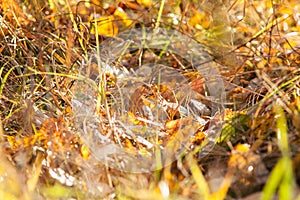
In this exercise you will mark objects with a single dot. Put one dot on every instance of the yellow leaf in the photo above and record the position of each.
(12, 142)
(242, 148)
(199, 138)
(51, 4)
(129, 146)
(85, 152)
(119, 13)
(144, 152)
(173, 124)
(145, 3)
(286, 10)
(105, 26)
(261, 64)
(199, 20)
(132, 118)
(238, 156)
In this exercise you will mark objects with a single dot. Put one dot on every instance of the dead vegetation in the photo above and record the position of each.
(66, 131)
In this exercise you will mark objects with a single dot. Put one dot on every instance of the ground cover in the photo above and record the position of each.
(149, 99)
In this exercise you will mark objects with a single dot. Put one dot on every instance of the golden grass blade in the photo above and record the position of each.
(198, 177)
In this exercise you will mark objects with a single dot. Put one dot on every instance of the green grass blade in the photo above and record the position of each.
(286, 187)
(282, 175)
(282, 135)
(274, 180)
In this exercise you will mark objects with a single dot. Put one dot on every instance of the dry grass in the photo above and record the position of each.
(47, 61)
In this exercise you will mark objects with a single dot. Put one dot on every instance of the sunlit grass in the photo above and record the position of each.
(49, 44)
(281, 177)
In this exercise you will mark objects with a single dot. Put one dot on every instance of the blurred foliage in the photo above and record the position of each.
(42, 46)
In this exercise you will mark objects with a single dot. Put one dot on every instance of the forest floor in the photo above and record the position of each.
(149, 99)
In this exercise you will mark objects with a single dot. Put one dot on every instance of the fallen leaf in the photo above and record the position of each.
(105, 26)
(145, 3)
(120, 15)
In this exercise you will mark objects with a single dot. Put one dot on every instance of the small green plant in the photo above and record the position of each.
(281, 177)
